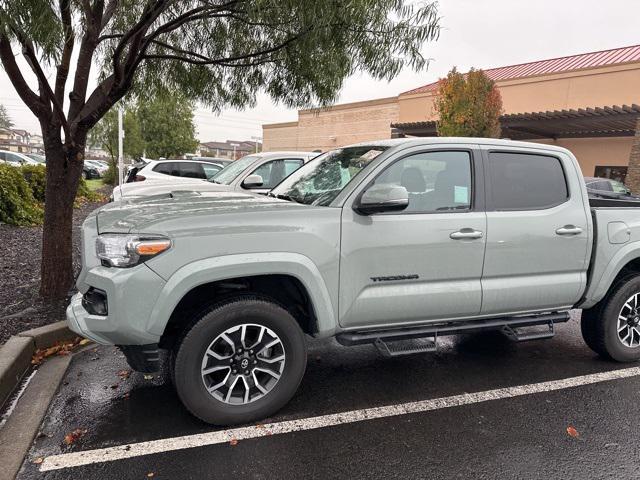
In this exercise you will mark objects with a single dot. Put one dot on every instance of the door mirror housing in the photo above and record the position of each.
(382, 198)
(253, 181)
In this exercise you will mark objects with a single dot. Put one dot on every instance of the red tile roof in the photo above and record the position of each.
(555, 65)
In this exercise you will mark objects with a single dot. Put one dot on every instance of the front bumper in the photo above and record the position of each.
(131, 295)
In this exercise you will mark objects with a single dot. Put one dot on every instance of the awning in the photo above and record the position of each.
(614, 121)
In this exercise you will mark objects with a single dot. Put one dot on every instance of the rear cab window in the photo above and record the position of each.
(525, 181)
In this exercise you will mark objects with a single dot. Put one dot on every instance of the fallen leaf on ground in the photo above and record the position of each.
(148, 377)
(572, 432)
(71, 438)
(38, 460)
(150, 474)
(84, 341)
(124, 374)
(233, 442)
(59, 348)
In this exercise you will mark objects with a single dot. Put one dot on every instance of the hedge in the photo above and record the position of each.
(22, 191)
(17, 204)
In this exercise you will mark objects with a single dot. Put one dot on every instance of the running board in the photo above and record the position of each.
(508, 325)
(404, 347)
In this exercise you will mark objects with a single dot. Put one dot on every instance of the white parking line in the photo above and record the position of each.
(76, 459)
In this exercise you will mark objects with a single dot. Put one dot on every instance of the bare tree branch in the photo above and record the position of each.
(69, 40)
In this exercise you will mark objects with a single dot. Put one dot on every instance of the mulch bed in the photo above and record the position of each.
(21, 308)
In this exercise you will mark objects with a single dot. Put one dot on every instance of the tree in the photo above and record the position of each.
(218, 52)
(5, 120)
(468, 105)
(105, 134)
(167, 126)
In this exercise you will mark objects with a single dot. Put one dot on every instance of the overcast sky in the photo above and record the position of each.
(476, 33)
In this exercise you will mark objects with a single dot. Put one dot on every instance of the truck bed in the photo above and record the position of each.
(616, 225)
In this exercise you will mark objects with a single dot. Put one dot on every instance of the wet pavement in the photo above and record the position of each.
(520, 437)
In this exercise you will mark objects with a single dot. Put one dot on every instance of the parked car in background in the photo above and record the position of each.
(99, 166)
(180, 170)
(16, 159)
(258, 172)
(89, 171)
(37, 157)
(608, 188)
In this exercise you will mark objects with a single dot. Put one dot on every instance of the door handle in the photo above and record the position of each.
(569, 230)
(466, 234)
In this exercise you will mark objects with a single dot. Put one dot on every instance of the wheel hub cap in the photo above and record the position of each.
(243, 364)
(629, 322)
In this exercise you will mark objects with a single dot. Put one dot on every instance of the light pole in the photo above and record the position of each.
(120, 147)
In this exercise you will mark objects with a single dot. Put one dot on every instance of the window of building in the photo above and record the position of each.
(522, 181)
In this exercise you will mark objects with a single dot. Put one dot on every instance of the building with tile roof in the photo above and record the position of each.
(588, 103)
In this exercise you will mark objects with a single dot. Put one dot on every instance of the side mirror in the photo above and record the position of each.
(253, 181)
(383, 198)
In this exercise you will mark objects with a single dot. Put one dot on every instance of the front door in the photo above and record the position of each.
(423, 263)
(537, 232)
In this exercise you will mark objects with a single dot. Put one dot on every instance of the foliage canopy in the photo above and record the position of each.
(468, 105)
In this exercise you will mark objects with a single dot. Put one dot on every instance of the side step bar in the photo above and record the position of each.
(510, 326)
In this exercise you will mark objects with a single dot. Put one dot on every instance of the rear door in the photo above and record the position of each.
(423, 263)
(537, 232)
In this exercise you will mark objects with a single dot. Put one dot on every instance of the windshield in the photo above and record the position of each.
(322, 179)
(229, 173)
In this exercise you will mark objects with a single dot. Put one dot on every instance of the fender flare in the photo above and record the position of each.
(602, 285)
(224, 267)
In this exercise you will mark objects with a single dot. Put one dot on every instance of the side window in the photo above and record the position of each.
(274, 172)
(291, 166)
(191, 170)
(168, 168)
(210, 170)
(436, 181)
(3, 156)
(522, 181)
(14, 159)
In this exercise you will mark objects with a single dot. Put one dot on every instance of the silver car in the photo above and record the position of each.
(258, 172)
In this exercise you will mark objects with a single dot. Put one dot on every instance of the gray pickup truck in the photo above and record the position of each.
(392, 243)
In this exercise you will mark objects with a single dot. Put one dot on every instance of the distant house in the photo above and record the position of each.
(15, 140)
(232, 149)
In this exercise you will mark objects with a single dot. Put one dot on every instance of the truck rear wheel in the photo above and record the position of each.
(612, 329)
(240, 361)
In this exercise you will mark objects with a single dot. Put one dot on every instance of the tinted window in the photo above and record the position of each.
(521, 181)
(168, 168)
(191, 170)
(436, 181)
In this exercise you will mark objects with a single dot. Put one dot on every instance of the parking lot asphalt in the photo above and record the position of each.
(577, 430)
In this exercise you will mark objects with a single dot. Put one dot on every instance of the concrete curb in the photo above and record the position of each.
(17, 435)
(15, 355)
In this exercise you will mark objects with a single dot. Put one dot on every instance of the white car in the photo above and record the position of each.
(16, 159)
(258, 172)
(99, 166)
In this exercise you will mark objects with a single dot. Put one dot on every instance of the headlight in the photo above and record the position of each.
(129, 250)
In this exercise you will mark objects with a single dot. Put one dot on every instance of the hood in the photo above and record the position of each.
(184, 207)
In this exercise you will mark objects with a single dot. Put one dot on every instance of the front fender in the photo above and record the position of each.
(242, 265)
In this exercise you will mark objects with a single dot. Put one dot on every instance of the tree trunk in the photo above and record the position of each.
(64, 167)
(633, 172)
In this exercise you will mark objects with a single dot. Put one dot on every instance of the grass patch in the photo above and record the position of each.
(94, 184)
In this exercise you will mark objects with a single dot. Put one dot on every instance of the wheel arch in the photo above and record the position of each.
(292, 280)
(626, 262)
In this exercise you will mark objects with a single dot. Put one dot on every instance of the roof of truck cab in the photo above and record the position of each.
(394, 142)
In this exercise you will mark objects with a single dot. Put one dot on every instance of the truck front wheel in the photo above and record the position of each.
(612, 329)
(240, 361)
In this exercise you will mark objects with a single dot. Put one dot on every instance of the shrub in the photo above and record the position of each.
(84, 194)
(17, 204)
(36, 177)
(110, 177)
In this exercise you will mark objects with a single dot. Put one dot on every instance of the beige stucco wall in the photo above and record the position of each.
(598, 87)
(333, 127)
(362, 121)
(590, 152)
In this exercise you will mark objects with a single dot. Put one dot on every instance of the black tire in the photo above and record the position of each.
(599, 325)
(206, 327)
